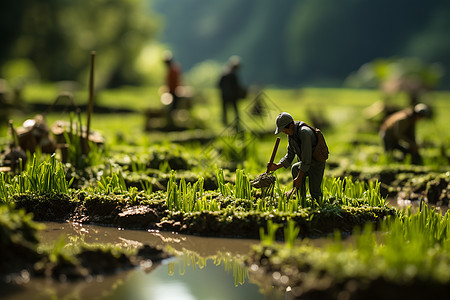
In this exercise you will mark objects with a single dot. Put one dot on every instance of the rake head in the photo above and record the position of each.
(263, 181)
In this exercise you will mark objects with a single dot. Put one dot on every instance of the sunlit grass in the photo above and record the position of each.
(411, 246)
(46, 177)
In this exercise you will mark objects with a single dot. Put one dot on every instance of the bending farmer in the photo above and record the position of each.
(302, 141)
(399, 131)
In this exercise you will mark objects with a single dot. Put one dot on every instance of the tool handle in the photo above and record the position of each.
(275, 148)
(90, 105)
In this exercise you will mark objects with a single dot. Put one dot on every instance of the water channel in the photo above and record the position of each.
(204, 269)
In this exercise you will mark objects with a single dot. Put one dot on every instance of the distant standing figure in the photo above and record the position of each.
(398, 131)
(231, 89)
(172, 79)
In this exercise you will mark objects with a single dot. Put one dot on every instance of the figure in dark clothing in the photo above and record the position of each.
(301, 143)
(231, 89)
(398, 131)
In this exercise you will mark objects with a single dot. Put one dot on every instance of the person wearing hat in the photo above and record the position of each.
(301, 142)
(398, 131)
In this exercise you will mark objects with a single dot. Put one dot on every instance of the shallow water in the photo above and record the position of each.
(204, 269)
(404, 204)
(100, 234)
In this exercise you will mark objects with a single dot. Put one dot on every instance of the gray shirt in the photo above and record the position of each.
(301, 143)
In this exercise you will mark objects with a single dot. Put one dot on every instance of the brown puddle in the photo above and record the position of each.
(205, 269)
(204, 246)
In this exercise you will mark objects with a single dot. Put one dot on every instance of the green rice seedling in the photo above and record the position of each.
(48, 176)
(280, 192)
(224, 188)
(4, 188)
(243, 188)
(351, 193)
(302, 196)
(203, 204)
(269, 238)
(188, 197)
(291, 233)
(172, 192)
(188, 194)
(365, 242)
(261, 205)
(288, 205)
(409, 248)
(164, 166)
(373, 195)
(138, 167)
(147, 187)
(293, 205)
(115, 183)
(75, 154)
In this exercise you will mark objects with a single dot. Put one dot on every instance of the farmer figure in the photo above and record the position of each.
(301, 142)
(172, 79)
(398, 131)
(230, 89)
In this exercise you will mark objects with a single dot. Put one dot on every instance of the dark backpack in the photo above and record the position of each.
(320, 152)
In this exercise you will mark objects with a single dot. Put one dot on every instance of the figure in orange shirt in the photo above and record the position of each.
(172, 79)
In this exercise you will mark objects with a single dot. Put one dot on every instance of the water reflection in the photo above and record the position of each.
(196, 282)
(204, 268)
(99, 234)
(192, 259)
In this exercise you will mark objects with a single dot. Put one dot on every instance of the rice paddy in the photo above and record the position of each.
(206, 189)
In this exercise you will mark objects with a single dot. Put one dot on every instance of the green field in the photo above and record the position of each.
(145, 180)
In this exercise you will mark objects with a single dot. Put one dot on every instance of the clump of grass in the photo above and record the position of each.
(352, 193)
(243, 188)
(224, 188)
(39, 178)
(336, 192)
(188, 197)
(115, 183)
(76, 155)
(5, 190)
(413, 247)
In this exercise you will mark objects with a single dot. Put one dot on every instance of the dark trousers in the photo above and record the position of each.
(315, 175)
(225, 106)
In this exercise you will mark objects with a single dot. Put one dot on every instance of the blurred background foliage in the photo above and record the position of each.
(294, 43)
(55, 38)
(286, 43)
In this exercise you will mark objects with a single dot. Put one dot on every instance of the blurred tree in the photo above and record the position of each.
(58, 35)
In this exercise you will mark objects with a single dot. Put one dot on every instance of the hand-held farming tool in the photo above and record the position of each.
(274, 152)
(266, 180)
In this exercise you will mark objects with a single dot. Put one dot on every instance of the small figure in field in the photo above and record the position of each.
(231, 89)
(302, 141)
(173, 79)
(34, 134)
(398, 131)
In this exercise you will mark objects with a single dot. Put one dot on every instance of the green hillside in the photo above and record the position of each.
(301, 42)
